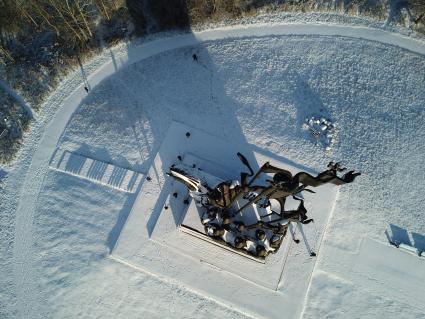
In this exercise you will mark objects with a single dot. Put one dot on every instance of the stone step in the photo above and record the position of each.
(96, 171)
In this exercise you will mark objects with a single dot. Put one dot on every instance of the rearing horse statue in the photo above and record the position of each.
(219, 200)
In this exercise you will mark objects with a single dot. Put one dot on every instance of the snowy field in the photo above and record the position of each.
(253, 86)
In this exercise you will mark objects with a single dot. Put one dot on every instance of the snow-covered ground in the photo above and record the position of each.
(255, 85)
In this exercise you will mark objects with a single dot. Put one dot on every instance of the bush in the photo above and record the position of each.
(13, 121)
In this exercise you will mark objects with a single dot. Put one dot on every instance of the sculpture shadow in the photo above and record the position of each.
(398, 235)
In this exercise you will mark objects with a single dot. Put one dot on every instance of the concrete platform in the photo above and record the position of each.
(153, 241)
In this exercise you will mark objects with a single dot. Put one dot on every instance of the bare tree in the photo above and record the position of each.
(44, 15)
(418, 7)
(102, 8)
(5, 54)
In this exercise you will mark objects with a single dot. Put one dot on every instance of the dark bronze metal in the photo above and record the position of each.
(219, 201)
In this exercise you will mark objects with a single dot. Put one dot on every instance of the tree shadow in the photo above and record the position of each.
(150, 16)
(395, 10)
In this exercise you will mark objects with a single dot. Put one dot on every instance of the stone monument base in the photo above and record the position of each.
(163, 234)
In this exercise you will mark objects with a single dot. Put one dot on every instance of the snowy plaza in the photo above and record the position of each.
(102, 230)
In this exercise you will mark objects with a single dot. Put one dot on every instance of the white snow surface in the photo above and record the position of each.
(152, 240)
(254, 84)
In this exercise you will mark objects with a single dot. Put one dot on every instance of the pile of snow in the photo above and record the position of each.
(323, 131)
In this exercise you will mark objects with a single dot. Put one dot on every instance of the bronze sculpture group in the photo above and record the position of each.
(224, 205)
